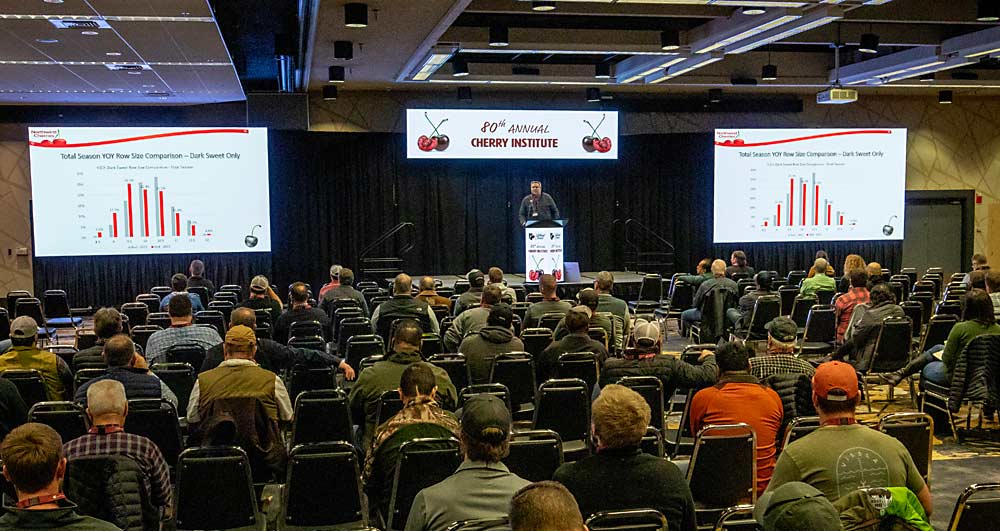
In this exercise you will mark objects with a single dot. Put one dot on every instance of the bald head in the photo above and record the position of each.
(547, 285)
(408, 332)
(427, 284)
(820, 266)
(402, 284)
(299, 293)
(718, 268)
(243, 316)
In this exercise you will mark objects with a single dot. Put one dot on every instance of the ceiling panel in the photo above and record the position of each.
(153, 8)
(38, 7)
(190, 42)
(71, 44)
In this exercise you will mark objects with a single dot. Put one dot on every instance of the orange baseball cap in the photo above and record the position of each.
(835, 381)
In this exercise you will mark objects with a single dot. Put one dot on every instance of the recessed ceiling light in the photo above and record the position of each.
(869, 43)
(148, 86)
(946, 97)
(89, 33)
(185, 13)
(356, 15)
(134, 72)
(499, 36)
(602, 71)
(987, 11)
(543, 6)
(112, 54)
(47, 41)
(670, 39)
(460, 67)
(753, 11)
(53, 1)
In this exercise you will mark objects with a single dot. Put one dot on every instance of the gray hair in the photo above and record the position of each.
(335, 271)
(105, 397)
(820, 265)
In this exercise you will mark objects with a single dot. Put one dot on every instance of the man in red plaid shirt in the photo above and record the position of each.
(845, 303)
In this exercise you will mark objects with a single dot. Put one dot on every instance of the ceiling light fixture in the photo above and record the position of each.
(670, 39)
(47, 41)
(343, 50)
(437, 56)
(721, 33)
(329, 92)
(464, 93)
(814, 18)
(356, 15)
(927, 77)
(715, 95)
(543, 6)
(946, 97)
(753, 11)
(113, 54)
(688, 64)
(499, 36)
(89, 33)
(987, 11)
(459, 67)
(593, 95)
(769, 72)
(602, 71)
(869, 43)
(336, 74)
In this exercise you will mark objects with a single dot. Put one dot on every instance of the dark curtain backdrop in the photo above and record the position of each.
(333, 194)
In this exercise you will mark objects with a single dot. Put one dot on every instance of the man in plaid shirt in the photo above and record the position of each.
(181, 331)
(780, 357)
(107, 408)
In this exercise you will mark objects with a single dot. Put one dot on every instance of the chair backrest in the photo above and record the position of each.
(744, 285)
(825, 296)
(226, 308)
(516, 370)
(892, 348)
(84, 338)
(651, 288)
(361, 346)
(974, 513)
(263, 331)
(86, 374)
(926, 299)
(765, 309)
(157, 421)
(422, 463)
(352, 326)
(821, 325)
(952, 307)
(232, 288)
(795, 277)
(563, 406)
(631, 520)
(190, 353)
(914, 310)
(162, 291)
(498, 390)
(311, 379)
(787, 294)
(682, 296)
(321, 416)
(31, 307)
(228, 296)
(535, 454)
(213, 317)
(369, 361)
(263, 316)
(56, 303)
(305, 329)
(800, 308)
(141, 333)
(737, 518)
(937, 330)
(203, 473)
(457, 367)
(916, 432)
(536, 340)
(550, 320)
(180, 378)
(431, 344)
(580, 365)
(309, 490)
(136, 312)
(5, 324)
(107, 487)
(723, 470)
(67, 418)
(151, 300)
(651, 389)
(389, 404)
(600, 335)
(12, 298)
(29, 385)
(905, 281)
(202, 293)
(798, 428)
(310, 342)
(532, 297)
(481, 524)
(161, 319)
(652, 442)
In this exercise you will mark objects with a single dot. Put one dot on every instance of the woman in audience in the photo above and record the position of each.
(937, 364)
(829, 270)
(851, 263)
(738, 265)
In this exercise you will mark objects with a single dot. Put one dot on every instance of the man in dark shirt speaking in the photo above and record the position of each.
(537, 206)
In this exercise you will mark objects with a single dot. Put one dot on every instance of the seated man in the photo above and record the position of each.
(703, 272)
(300, 310)
(262, 297)
(820, 282)
(107, 324)
(738, 265)
(421, 417)
(846, 302)
(344, 290)
(197, 278)
(545, 506)
(25, 355)
(993, 289)
(550, 303)
(843, 456)
(496, 337)
(182, 330)
(646, 359)
(428, 293)
(507, 294)
(780, 357)
(472, 297)
(333, 283)
(107, 408)
(33, 462)
(589, 299)
(874, 272)
(179, 283)
(129, 368)
(482, 487)
(471, 321)
(718, 281)
(384, 376)
(979, 263)
(620, 475)
(272, 355)
(403, 305)
(740, 317)
(577, 340)
(604, 284)
(740, 397)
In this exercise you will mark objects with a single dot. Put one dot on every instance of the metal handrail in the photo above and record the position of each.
(632, 221)
(389, 234)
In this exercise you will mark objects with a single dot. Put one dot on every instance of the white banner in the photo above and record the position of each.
(543, 252)
(493, 134)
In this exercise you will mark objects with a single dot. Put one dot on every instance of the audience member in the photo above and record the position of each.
(874, 271)
(589, 300)
(860, 338)
(179, 283)
(107, 407)
(780, 357)
(796, 506)
(738, 265)
(979, 263)
(272, 355)
(33, 462)
(13, 410)
(197, 278)
(471, 321)
(472, 297)
(421, 417)
(604, 284)
(345, 290)
(545, 506)
(385, 375)
(482, 487)
(182, 330)
(577, 340)
(740, 317)
(620, 475)
(703, 272)
(403, 305)
(829, 270)
(718, 281)
(843, 456)
(937, 364)
(646, 359)
(262, 297)
(853, 262)
(977, 279)
(129, 368)
(333, 283)
(497, 337)
(507, 294)
(820, 282)
(993, 288)
(24, 355)
(428, 293)
(846, 302)
(107, 324)
(550, 302)
(300, 311)
(740, 397)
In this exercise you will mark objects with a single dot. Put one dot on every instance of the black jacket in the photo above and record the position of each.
(480, 349)
(977, 373)
(274, 357)
(671, 371)
(548, 360)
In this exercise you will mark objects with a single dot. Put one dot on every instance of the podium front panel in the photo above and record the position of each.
(543, 252)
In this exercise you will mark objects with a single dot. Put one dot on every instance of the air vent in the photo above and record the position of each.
(119, 67)
(82, 24)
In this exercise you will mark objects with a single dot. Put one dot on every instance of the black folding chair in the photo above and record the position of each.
(86, 374)
(67, 418)
(205, 472)
(361, 346)
(798, 428)
(937, 331)
(916, 432)
(190, 353)
(550, 320)
(787, 295)
(800, 309)
(305, 329)
(498, 390)
(310, 342)
(389, 404)
(12, 298)
(457, 367)
(580, 365)
(765, 309)
(431, 344)
(652, 442)
(892, 352)
(29, 385)
(536, 340)
(321, 416)
(156, 420)
(180, 378)
(422, 463)
(160, 319)
(820, 333)
(631, 520)
(212, 317)
(723, 469)
(141, 333)
(516, 370)
(136, 312)
(151, 300)
(202, 293)
(308, 489)
(311, 379)
(651, 389)
(226, 308)
(161, 291)
(915, 311)
(228, 296)
(952, 307)
(563, 406)
(535, 454)
(974, 512)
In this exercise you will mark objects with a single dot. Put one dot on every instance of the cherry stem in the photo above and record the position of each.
(592, 128)
(438, 125)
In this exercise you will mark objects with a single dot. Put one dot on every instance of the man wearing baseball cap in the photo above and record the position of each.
(482, 487)
(24, 355)
(472, 297)
(497, 337)
(780, 357)
(589, 300)
(796, 506)
(262, 297)
(842, 455)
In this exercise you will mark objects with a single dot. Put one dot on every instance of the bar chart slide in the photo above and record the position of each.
(785, 185)
(107, 191)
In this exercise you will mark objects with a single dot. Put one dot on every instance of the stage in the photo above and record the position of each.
(626, 286)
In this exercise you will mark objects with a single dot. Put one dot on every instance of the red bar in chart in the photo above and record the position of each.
(163, 231)
(798, 207)
(130, 210)
(145, 209)
(841, 220)
(114, 223)
(778, 219)
(803, 204)
(791, 202)
(193, 231)
(765, 222)
(178, 223)
(816, 207)
(99, 234)
(829, 208)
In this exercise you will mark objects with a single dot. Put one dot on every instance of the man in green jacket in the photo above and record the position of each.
(820, 282)
(384, 376)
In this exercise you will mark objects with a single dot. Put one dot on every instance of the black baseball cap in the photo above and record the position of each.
(783, 329)
(500, 315)
(485, 411)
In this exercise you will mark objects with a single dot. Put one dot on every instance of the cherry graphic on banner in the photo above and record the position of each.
(592, 143)
(436, 141)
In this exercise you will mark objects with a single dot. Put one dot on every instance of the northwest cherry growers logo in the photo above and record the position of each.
(592, 143)
(436, 141)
